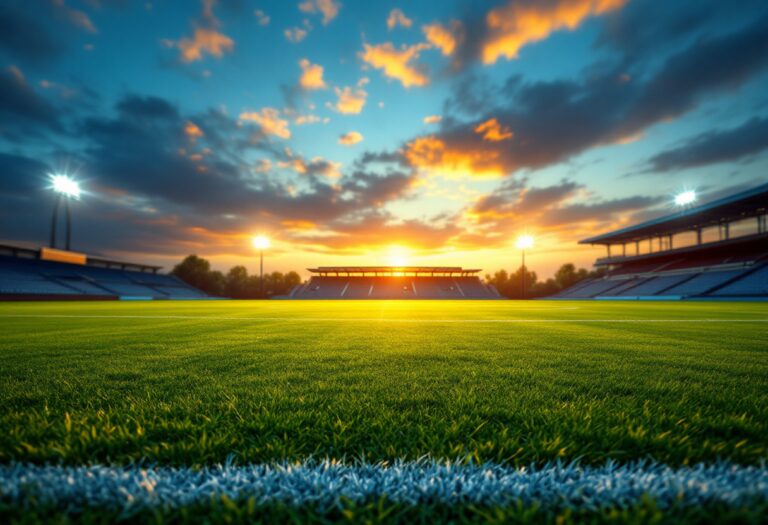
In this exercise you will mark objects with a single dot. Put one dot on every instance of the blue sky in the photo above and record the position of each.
(351, 131)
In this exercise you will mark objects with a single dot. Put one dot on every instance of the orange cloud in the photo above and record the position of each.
(396, 63)
(493, 131)
(432, 119)
(192, 131)
(432, 155)
(328, 8)
(261, 17)
(442, 38)
(269, 121)
(397, 17)
(351, 138)
(204, 41)
(519, 23)
(311, 75)
(351, 101)
(295, 34)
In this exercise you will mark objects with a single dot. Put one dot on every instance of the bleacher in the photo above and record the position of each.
(730, 267)
(25, 276)
(394, 283)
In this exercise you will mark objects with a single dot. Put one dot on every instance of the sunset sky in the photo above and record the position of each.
(362, 132)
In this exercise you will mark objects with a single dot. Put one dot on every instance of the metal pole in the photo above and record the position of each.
(53, 220)
(522, 277)
(261, 271)
(69, 224)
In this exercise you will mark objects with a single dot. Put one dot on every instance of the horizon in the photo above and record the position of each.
(433, 134)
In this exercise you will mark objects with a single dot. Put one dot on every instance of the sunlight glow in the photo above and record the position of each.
(524, 242)
(260, 242)
(685, 198)
(398, 256)
(66, 186)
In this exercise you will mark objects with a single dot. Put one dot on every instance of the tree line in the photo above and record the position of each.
(510, 285)
(236, 283)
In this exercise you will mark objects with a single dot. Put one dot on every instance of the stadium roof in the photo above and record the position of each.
(25, 250)
(749, 203)
(392, 269)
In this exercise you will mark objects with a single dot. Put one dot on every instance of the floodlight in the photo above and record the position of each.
(66, 186)
(524, 242)
(260, 242)
(685, 198)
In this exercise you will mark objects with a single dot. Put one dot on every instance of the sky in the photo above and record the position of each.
(354, 132)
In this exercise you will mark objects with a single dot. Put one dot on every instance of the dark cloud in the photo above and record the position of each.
(553, 121)
(23, 39)
(23, 112)
(750, 138)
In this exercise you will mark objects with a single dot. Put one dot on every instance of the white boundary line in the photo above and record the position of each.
(373, 319)
(323, 485)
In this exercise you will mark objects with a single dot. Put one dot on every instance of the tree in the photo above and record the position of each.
(196, 272)
(236, 285)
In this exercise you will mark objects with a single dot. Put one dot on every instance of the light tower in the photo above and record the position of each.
(66, 188)
(261, 243)
(524, 242)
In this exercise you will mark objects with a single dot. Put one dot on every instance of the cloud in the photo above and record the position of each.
(350, 139)
(433, 155)
(442, 38)
(311, 75)
(396, 63)
(268, 119)
(493, 131)
(519, 23)
(554, 120)
(23, 112)
(432, 119)
(295, 34)
(23, 38)
(350, 100)
(261, 18)
(722, 145)
(192, 131)
(204, 41)
(75, 17)
(397, 17)
(328, 8)
(301, 120)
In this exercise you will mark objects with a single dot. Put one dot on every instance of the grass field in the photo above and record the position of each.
(513, 383)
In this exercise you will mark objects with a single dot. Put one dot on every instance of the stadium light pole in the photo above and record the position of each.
(261, 243)
(524, 242)
(66, 188)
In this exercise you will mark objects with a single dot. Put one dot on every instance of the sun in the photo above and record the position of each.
(398, 256)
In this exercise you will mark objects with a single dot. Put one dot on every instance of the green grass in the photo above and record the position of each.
(269, 383)
(248, 512)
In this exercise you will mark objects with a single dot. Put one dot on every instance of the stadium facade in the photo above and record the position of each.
(28, 273)
(716, 251)
(390, 282)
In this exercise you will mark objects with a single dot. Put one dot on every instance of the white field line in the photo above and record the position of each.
(322, 485)
(374, 319)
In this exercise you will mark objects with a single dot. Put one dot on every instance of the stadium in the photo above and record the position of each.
(327, 261)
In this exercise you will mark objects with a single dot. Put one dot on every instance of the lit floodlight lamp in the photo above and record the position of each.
(66, 186)
(524, 242)
(685, 198)
(260, 242)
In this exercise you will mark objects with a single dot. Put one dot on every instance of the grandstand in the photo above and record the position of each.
(47, 274)
(715, 251)
(389, 282)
